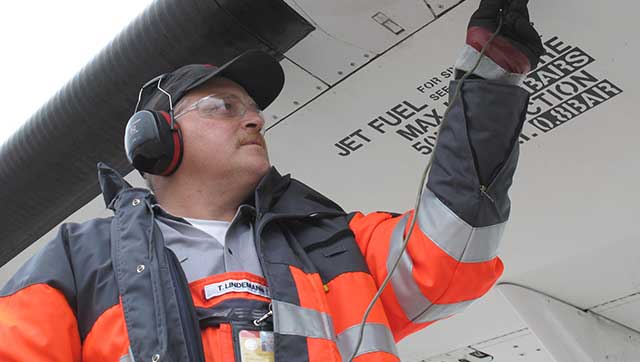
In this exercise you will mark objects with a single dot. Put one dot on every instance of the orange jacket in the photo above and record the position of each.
(108, 289)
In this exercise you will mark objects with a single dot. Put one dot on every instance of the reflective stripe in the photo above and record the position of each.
(127, 357)
(377, 338)
(417, 307)
(411, 299)
(436, 312)
(460, 240)
(292, 319)
(487, 69)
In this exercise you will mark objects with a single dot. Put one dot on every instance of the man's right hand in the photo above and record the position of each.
(518, 47)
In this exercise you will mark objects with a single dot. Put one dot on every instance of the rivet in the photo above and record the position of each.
(135, 202)
(140, 268)
(155, 358)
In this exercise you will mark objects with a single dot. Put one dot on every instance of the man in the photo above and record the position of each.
(230, 261)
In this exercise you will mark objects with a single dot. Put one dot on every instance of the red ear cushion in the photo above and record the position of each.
(177, 145)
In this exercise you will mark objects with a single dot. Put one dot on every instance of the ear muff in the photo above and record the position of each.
(150, 143)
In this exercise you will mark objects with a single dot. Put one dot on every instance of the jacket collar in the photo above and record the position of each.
(111, 183)
(274, 193)
(285, 195)
(269, 190)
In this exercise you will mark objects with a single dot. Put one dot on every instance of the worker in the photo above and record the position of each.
(228, 260)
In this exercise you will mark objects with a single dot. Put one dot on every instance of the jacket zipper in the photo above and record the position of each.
(259, 226)
(188, 319)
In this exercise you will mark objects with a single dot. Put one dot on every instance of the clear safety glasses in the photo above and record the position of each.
(229, 107)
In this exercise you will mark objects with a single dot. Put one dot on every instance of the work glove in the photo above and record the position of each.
(513, 53)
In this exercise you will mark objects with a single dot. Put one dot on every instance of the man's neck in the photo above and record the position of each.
(213, 200)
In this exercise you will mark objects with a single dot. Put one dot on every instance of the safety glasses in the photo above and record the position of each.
(222, 106)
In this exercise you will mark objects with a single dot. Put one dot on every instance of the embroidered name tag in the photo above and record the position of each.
(235, 285)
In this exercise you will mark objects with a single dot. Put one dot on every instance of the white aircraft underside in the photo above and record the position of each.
(571, 287)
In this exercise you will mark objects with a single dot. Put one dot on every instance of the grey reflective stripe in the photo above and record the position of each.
(377, 338)
(127, 357)
(435, 312)
(406, 290)
(460, 240)
(487, 69)
(416, 306)
(296, 320)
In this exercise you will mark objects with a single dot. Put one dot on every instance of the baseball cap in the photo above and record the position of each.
(256, 71)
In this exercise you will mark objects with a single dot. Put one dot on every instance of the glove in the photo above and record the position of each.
(513, 53)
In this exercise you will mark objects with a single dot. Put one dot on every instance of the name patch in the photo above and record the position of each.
(236, 285)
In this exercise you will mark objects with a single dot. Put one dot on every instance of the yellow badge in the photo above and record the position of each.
(256, 346)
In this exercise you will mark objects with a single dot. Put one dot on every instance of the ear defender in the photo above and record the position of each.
(153, 142)
(152, 139)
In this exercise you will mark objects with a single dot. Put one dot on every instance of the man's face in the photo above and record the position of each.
(218, 147)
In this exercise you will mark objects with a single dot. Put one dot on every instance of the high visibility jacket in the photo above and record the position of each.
(109, 290)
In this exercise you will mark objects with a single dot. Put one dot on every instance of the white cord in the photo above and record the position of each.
(405, 242)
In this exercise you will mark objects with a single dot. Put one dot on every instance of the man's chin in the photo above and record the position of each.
(264, 168)
(258, 165)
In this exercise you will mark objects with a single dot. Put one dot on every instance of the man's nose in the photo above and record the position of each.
(253, 119)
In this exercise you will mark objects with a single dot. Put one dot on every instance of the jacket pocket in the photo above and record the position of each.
(335, 253)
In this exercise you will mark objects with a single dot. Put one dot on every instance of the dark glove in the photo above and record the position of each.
(518, 47)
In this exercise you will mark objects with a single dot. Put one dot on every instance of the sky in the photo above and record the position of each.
(45, 43)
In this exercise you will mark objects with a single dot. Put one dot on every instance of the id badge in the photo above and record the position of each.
(256, 346)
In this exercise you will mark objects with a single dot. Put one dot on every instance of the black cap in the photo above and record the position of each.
(257, 72)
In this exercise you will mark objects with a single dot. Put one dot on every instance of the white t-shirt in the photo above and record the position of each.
(217, 229)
